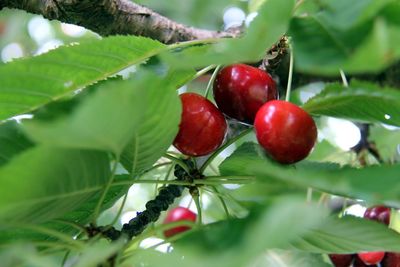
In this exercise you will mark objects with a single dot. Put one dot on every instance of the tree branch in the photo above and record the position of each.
(111, 17)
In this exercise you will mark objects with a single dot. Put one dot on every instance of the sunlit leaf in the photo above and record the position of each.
(30, 83)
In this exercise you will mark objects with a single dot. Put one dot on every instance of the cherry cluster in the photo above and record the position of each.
(249, 95)
(386, 259)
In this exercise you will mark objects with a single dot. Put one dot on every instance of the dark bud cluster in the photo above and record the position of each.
(163, 200)
(153, 210)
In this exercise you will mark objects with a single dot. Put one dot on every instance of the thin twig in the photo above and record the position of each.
(211, 81)
(105, 191)
(223, 147)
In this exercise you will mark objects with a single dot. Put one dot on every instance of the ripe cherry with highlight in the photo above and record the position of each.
(176, 215)
(202, 128)
(370, 258)
(240, 90)
(379, 214)
(285, 131)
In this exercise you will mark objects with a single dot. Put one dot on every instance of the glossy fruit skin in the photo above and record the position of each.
(370, 258)
(391, 260)
(179, 214)
(285, 131)
(341, 260)
(202, 128)
(378, 213)
(240, 90)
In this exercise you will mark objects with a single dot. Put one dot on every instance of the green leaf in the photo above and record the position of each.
(105, 121)
(45, 183)
(26, 255)
(387, 141)
(349, 235)
(119, 112)
(62, 71)
(282, 258)
(322, 49)
(360, 101)
(366, 183)
(80, 215)
(266, 29)
(98, 252)
(341, 15)
(238, 242)
(254, 5)
(12, 141)
(159, 125)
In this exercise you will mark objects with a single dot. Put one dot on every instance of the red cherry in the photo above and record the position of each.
(202, 128)
(240, 90)
(360, 263)
(379, 214)
(176, 215)
(285, 131)
(391, 260)
(341, 260)
(370, 258)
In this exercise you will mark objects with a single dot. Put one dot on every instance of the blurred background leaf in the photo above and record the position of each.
(359, 38)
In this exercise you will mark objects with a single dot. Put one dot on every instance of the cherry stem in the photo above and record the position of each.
(72, 224)
(65, 258)
(309, 194)
(203, 71)
(322, 199)
(118, 215)
(96, 212)
(165, 178)
(344, 206)
(177, 161)
(222, 148)
(196, 198)
(344, 79)
(298, 4)
(195, 182)
(224, 206)
(211, 81)
(231, 177)
(194, 42)
(290, 75)
(158, 166)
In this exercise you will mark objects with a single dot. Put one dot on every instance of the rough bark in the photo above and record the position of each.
(111, 17)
